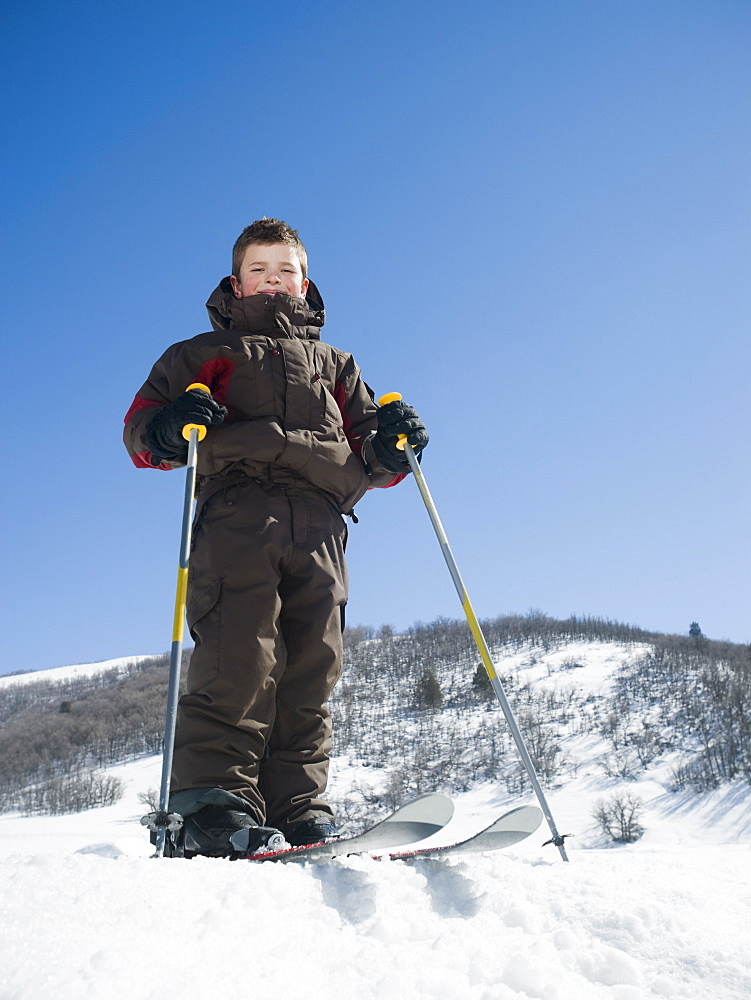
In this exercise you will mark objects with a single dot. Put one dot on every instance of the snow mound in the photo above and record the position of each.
(619, 925)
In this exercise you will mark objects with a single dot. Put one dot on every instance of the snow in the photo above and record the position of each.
(588, 665)
(87, 913)
(59, 674)
(611, 924)
(84, 906)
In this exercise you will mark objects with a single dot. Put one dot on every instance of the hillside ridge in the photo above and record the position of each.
(589, 694)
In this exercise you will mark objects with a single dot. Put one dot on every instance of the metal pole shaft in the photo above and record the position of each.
(483, 646)
(176, 650)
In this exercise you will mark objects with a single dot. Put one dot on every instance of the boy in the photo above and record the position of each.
(294, 440)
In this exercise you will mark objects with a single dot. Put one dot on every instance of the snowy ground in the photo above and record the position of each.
(87, 914)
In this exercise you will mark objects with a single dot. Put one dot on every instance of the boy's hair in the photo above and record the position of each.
(267, 231)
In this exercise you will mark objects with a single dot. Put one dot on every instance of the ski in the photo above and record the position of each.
(396, 836)
(515, 825)
(415, 821)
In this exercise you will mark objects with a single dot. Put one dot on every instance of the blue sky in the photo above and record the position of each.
(531, 218)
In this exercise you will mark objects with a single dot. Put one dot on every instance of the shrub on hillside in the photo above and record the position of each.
(618, 817)
(67, 794)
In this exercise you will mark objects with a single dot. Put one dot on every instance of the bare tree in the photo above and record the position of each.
(618, 817)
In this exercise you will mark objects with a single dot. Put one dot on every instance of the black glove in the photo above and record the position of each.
(164, 433)
(394, 419)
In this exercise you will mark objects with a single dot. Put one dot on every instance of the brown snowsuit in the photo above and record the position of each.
(268, 580)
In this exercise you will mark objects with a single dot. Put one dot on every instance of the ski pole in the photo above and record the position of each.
(193, 433)
(482, 646)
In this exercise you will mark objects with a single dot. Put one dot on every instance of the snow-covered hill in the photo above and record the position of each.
(88, 914)
(56, 675)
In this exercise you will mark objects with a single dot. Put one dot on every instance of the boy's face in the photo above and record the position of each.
(268, 269)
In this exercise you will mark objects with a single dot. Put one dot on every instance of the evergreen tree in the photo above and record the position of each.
(428, 692)
(481, 682)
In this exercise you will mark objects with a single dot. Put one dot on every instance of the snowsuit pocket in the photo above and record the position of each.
(203, 611)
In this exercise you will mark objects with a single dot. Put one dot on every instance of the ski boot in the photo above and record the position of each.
(314, 831)
(214, 832)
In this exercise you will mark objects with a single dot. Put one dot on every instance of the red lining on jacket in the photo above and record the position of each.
(143, 461)
(139, 403)
(216, 374)
(340, 397)
(355, 442)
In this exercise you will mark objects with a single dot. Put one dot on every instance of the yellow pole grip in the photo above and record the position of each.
(196, 427)
(393, 397)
